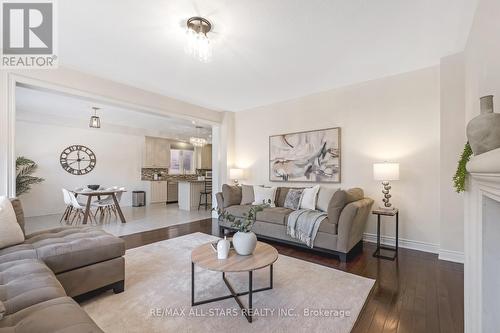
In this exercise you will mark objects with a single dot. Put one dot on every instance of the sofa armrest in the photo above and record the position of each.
(352, 224)
(220, 200)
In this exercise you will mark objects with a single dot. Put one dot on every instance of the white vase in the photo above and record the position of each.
(244, 243)
(223, 248)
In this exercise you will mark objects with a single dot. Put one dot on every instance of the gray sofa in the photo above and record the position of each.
(340, 234)
(38, 277)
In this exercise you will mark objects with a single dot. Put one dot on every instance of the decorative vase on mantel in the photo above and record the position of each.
(483, 132)
(244, 243)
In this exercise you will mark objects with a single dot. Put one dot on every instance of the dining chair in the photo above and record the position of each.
(67, 202)
(79, 209)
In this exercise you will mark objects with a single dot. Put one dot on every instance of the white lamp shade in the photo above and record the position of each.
(236, 174)
(386, 171)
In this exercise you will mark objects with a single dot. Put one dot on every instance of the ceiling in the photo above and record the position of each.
(57, 109)
(264, 51)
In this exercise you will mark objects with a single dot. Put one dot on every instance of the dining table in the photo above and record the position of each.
(100, 193)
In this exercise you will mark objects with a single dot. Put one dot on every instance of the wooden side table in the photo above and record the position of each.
(379, 213)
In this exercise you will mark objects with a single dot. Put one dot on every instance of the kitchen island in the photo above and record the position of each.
(189, 194)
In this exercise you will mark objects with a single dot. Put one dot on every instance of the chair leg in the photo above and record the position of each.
(199, 201)
(206, 201)
(64, 214)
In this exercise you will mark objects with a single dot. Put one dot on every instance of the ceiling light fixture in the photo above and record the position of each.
(198, 45)
(95, 122)
(197, 140)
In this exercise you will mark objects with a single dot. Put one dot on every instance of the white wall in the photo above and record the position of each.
(453, 139)
(395, 118)
(482, 57)
(119, 161)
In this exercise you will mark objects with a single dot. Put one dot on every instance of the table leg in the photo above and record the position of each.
(397, 232)
(250, 291)
(87, 209)
(117, 205)
(192, 283)
(378, 232)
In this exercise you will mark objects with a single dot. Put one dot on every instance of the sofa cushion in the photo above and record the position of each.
(276, 215)
(17, 252)
(325, 195)
(337, 203)
(10, 231)
(18, 208)
(231, 195)
(62, 315)
(238, 210)
(247, 196)
(67, 248)
(24, 283)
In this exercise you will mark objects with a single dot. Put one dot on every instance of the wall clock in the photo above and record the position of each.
(78, 160)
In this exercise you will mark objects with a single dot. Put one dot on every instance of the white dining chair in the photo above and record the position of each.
(79, 209)
(67, 202)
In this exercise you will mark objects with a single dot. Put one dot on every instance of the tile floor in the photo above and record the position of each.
(139, 219)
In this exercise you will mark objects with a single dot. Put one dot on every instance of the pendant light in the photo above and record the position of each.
(95, 122)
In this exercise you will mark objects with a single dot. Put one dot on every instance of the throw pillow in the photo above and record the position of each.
(10, 231)
(324, 196)
(231, 195)
(292, 200)
(264, 195)
(247, 196)
(309, 197)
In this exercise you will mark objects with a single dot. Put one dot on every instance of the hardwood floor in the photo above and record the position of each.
(415, 293)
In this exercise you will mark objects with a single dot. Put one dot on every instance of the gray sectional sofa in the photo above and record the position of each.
(39, 277)
(340, 234)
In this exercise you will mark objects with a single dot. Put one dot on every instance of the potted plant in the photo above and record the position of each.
(24, 175)
(244, 240)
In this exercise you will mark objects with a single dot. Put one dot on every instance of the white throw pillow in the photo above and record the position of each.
(309, 197)
(10, 231)
(324, 197)
(264, 194)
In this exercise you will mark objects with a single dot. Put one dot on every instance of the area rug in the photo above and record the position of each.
(306, 297)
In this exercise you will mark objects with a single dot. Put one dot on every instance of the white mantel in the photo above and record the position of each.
(483, 182)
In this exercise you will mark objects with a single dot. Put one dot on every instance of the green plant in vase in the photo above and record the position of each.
(244, 240)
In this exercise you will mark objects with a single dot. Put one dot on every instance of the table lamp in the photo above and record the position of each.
(385, 172)
(235, 175)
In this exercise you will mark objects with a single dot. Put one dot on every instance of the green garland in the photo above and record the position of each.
(461, 173)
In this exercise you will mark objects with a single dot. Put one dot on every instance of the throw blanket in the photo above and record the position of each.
(303, 224)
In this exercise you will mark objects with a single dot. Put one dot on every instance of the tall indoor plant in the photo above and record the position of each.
(244, 240)
(24, 175)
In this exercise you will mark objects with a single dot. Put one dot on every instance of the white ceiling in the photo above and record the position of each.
(264, 51)
(52, 108)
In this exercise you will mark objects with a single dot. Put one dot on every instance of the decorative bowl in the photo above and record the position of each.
(94, 187)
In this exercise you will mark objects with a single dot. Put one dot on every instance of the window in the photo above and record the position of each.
(181, 161)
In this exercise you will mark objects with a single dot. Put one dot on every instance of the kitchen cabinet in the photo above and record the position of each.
(156, 152)
(159, 191)
(206, 157)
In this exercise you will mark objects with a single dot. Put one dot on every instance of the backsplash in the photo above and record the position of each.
(148, 175)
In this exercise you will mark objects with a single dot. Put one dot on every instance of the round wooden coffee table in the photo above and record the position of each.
(204, 256)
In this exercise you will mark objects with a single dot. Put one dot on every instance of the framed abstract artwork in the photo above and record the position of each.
(312, 156)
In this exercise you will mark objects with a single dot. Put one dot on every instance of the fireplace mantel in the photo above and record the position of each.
(483, 181)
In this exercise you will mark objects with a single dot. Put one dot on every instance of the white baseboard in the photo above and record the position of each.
(447, 255)
(405, 243)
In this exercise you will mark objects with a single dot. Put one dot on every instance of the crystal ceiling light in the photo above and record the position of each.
(198, 45)
(95, 122)
(197, 140)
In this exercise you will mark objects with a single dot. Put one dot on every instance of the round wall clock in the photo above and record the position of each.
(78, 160)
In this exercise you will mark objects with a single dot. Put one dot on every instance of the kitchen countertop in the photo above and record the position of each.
(191, 181)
